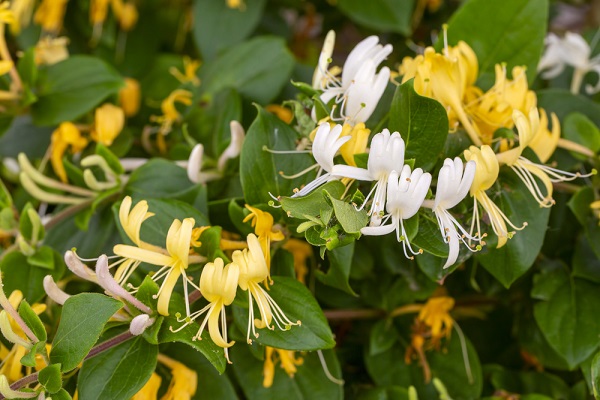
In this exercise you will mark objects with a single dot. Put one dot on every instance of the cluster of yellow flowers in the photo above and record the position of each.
(450, 78)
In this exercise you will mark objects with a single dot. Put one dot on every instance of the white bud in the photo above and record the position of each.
(53, 291)
(79, 268)
(140, 323)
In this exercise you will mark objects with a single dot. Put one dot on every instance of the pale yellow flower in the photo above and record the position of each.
(150, 390)
(262, 222)
(65, 136)
(357, 144)
(50, 15)
(49, 51)
(301, 251)
(130, 97)
(22, 10)
(190, 67)
(287, 360)
(184, 381)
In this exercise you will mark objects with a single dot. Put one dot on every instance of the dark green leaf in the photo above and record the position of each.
(528, 382)
(340, 262)
(298, 304)
(24, 137)
(119, 372)
(257, 68)
(82, 321)
(260, 170)
(382, 338)
(158, 178)
(214, 19)
(580, 129)
(381, 15)
(595, 371)
(51, 378)
(72, 87)
(566, 314)
(422, 123)
(511, 32)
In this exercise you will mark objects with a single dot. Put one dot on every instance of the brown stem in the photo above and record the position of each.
(67, 212)
(333, 315)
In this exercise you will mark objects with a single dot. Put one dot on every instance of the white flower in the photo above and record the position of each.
(360, 87)
(386, 154)
(452, 186)
(324, 148)
(573, 50)
(405, 195)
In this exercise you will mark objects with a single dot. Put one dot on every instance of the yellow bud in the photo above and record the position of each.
(129, 97)
(109, 123)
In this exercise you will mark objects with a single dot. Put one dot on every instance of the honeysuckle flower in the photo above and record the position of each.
(108, 123)
(170, 115)
(453, 185)
(53, 291)
(572, 50)
(493, 109)
(150, 389)
(447, 78)
(184, 381)
(262, 222)
(173, 263)
(287, 360)
(64, 137)
(486, 174)
(360, 87)
(325, 146)
(126, 14)
(50, 15)
(405, 195)
(130, 97)
(301, 252)
(359, 139)
(545, 141)
(236, 4)
(218, 284)
(140, 323)
(189, 71)
(49, 50)
(98, 13)
(322, 74)
(253, 270)
(22, 10)
(435, 314)
(386, 155)
(78, 268)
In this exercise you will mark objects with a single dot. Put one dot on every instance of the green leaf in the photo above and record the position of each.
(580, 205)
(596, 376)
(82, 321)
(29, 359)
(30, 224)
(422, 123)
(260, 169)
(257, 68)
(527, 382)
(51, 378)
(340, 262)
(206, 346)
(111, 159)
(351, 220)
(214, 19)
(119, 372)
(19, 274)
(43, 258)
(313, 203)
(73, 87)
(516, 257)
(566, 314)
(381, 15)
(562, 103)
(383, 336)
(309, 382)
(33, 321)
(158, 178)
(24, 137)
(511, 32)
(298, 304)
(62, 394)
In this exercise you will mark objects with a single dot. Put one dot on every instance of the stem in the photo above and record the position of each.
(109, 344)
(353, 314)
(67, 212)
(469, 128)
(576, 147)
(566, 187)
(5, 55)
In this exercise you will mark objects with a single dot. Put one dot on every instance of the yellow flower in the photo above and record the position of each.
(189, 71)
(98, 11)
(486, 174)
(22, 10)
(286, 358)
(7, 15)
(126, 13)
(283, 113)
(253, 270)
(65, 136)
(50, 15)
(108, 123)
(11, 365)
(301, 251)
(357, 144)
(170, 113)
(173, 263)
(130, 97)
(236, 4)
(5, 66)
(435, 314)
(50, 50)
(262, 222)
(150, 390)
(493, 109)
(595, 206)
(544, 142)
(184, 381)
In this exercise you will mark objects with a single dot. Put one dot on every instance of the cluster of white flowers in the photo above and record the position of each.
(398, 190)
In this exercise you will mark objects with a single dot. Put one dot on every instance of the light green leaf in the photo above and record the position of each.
(82, 321)
(351, 220)
(580, 129)
(73, 87)
(595, 371)
(313, 203)
(510, 31)
(422, 123)
(33, 321)
(117, 373)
